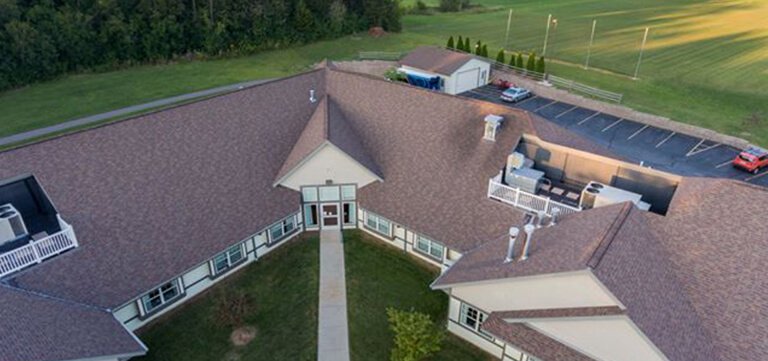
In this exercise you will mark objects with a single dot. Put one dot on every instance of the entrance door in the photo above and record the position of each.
(330, 212)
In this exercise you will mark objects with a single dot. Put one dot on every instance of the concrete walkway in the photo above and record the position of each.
(36, 133)
(333, 332)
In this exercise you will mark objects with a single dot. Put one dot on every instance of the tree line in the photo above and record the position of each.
(531, 64)
(40, 39)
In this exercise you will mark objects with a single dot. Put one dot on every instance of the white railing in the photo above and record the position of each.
(37, 251)
(573, 86)
(527, 201)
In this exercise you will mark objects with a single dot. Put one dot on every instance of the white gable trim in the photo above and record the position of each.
(369, 176)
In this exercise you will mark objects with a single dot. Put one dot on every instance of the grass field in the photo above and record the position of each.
(379, 276)
(706, 62)
(284, 283)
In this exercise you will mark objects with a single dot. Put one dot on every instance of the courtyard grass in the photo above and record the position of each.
(282, 294)
(379, 276)
(705, 61)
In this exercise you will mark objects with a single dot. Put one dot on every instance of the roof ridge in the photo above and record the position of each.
(609, 235)
(327, 121)
(56, 299)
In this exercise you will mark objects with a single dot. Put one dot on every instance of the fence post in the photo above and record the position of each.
(36, 252)
(517, 196)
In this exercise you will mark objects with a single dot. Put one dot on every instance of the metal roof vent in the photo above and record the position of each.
(312, 98)
(492, 125)
(513, 233)
(528, 228)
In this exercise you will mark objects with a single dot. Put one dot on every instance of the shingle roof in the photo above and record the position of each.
(435, 60)
(36, 328)
(559, 313)
(154, 196)
(716, 237)
(568, 246)
(531, 341)
(327, 124)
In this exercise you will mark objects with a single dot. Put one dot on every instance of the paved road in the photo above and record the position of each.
(32, 134)
(656, 147)
(333, 330)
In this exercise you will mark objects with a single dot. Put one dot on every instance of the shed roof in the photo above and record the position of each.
(436, 60)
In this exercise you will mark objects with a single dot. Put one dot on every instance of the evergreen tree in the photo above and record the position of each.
(478, 48)
(531, 64)
(450, 43)
(500, 57)
(303, 22)
(519, 60)
(460, 44)
(484, 51)
(467, 47)
(541, 67)
(512, 60)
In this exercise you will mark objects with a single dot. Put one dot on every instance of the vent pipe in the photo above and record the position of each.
(312, 98)
(528, 228)
(513, 233)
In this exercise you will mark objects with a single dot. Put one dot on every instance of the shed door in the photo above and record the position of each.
(467, 80)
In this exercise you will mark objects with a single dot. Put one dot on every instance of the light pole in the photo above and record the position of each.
(509, 23)
(640, 57)
(591, 40)
(550, 21)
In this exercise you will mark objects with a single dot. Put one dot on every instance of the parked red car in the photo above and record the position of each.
(752, 159)
(503, 84)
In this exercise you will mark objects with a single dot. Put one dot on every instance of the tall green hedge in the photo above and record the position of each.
(43, 38)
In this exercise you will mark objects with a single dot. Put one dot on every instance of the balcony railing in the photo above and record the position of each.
(527, 201)
(37, 251)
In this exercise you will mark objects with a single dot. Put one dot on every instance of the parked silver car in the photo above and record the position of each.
(515, 94)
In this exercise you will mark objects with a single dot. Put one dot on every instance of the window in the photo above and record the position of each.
(310, 215)
(161, 296)
(281, 229)
(228, 258)
(349, 213)
(329, 193)
(309, 194)
(348, 192)
(472, 318)
(378, 224)
(430, 247)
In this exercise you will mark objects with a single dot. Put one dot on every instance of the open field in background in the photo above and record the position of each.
(706, 62)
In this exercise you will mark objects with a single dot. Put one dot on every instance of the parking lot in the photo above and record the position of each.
(655, 147)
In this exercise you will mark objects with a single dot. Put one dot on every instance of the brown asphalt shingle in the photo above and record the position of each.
(435, 60)
(153, 196)
(560, 313)
(36, 328)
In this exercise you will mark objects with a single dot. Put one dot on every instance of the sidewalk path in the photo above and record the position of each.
(32, 134)
(332, 333)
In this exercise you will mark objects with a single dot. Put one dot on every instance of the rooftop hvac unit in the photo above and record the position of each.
(596, 194)
(11, 224)
(527, 179)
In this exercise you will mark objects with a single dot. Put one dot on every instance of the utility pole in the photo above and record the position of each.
(546, 35)
(591, 40)
(509, 24)
(640, 57)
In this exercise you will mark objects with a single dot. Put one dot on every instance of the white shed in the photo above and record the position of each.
(447, 70)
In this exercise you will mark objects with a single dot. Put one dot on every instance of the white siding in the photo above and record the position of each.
(328, 163)
(574, 289)
(491, 346)
(605, 338)
(451, 82)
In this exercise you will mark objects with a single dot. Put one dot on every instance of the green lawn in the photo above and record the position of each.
(705, 62)
(379, 276)
(282, 293)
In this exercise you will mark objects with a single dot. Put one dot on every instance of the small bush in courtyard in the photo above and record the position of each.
(450, 44)
(231, 308)
(500, 56)
(416, 336)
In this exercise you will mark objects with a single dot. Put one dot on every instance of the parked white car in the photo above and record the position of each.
(515, 94)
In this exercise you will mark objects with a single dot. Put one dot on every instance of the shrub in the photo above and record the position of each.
(478, 48)
(531, 64)
(541, 67)
(450, 44)
(453, 5)
(421, 6)
(394, 75)
(500, 57)
(484, 50)
(519, 60)
(467, 47)
(416, 336)
(231, 308)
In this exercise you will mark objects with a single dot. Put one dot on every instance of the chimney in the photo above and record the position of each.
(528, 228)
(492, 124)
(312, 98)
(513, 233)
